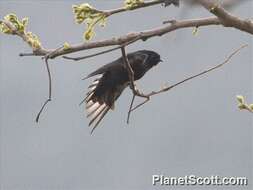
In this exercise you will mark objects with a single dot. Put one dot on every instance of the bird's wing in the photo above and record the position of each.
(132, 58)
(101, 97)
(103, 69)
(95, 110)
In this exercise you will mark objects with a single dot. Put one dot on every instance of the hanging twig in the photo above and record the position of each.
(46, 57)
(131, 75)
(49, 90)
(132, 85)
(130, 108)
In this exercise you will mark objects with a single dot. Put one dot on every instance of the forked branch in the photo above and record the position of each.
(165, 89)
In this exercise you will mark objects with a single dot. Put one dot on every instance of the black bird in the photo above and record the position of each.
(113, 79)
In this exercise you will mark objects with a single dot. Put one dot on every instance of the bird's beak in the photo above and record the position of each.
(161, 60)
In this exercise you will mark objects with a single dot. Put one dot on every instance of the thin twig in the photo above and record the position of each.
(189, 78)
(41, 109)
(130, 108)
(131, 80)
(139, 105)
(99, 53)
(202, 73)
(132, 85)
(49, 90)
(91, 55)
(26, 54)
(129, 69)
(131, 74)
(46, 57)
(141, 5)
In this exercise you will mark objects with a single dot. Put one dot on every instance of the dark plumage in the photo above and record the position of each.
(106, 89)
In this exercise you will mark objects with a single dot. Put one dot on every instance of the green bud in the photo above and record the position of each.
(213, 9)
(33, 40)
(4, 29)
(19, 26)
(66, 46)
(25, 21)
(83, 12)
(240, 99)
(102, 21)
(91, 16)
(242, 106)
(89, 34)
(130, 4)
(195, 31)
(251, 107)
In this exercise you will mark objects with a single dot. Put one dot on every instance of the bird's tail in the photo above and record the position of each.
(97, 106)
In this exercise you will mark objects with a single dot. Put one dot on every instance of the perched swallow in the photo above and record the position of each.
(113, 79)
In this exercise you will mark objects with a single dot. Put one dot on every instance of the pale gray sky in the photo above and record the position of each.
(193, 129)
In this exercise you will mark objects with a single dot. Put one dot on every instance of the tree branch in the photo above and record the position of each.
(143, 35)
(136, 36)
(226, 18)
(38, 52)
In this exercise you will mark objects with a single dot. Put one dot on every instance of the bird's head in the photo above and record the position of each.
(152, 58)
